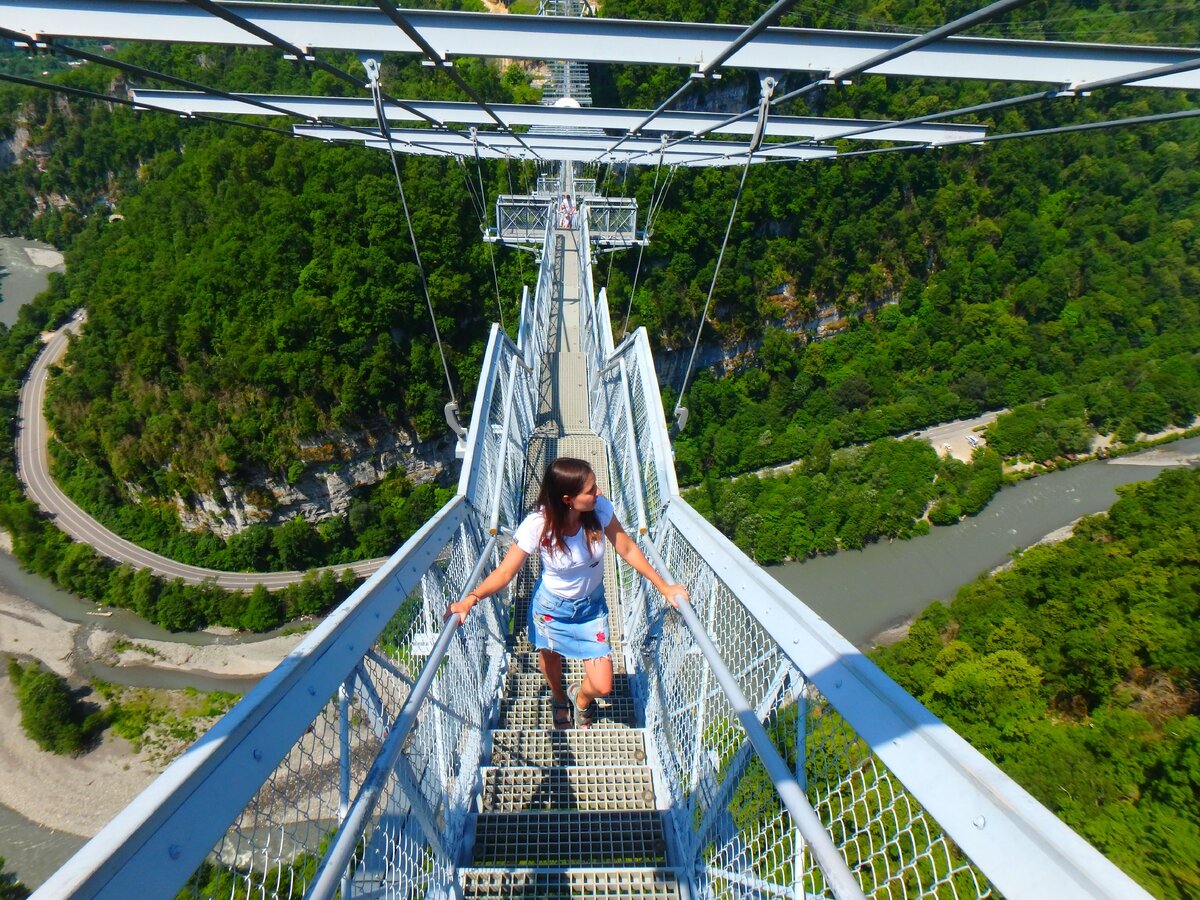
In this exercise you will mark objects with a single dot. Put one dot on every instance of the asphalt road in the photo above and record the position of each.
(33, 468)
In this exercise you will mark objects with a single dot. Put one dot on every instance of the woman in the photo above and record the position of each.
(568, 615)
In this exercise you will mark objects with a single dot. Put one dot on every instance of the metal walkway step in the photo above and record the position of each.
(572, 884)
(608, 838)
(567, 812)
(535, 712)
(568, 747)
(529, 684)
(584, 788)
(525, 662)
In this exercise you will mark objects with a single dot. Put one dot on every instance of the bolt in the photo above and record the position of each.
(979, 822)
(174, 851)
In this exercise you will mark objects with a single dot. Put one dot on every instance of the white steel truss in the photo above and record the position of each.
(588, 39)
(495, 145)
(686, 122)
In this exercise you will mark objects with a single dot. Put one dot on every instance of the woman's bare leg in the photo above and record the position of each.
(597, 680)
(551, 665)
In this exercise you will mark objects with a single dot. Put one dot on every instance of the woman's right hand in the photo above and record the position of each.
(462, 607)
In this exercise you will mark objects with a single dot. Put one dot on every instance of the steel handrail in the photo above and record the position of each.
(631, 451)
(328, 878)
(502, 461)
(833, 866)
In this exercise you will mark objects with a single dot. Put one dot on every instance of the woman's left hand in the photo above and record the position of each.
(671, 591)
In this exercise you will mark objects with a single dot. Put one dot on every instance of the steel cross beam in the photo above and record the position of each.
(597, 40)
(329, 108)
(559, 146)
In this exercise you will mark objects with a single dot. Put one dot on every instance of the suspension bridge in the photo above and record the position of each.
(748, 749)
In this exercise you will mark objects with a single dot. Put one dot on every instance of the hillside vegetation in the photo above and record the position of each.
(1078, 672)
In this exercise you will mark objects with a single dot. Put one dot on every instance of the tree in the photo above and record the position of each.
(263, 610)
(49, 713)
(10, 887)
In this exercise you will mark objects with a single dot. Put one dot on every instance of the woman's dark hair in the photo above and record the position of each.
(565, 476)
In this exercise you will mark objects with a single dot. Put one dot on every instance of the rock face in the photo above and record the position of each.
(13, 147)
(814, 320)
(337, 465)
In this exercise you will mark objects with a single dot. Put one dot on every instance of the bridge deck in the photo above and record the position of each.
(567, 812)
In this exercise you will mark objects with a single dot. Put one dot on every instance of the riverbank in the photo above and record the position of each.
(48, 789)
(25, 267)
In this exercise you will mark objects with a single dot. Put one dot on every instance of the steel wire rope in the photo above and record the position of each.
(749, 33)
(1042, 132)
(712, 287)
(483, 228)
(134, 69)
(138, 105)
(207, 90)
(882, 126)
(508, 175)
(916, 43)
(377, 96)
(1074, 90)
(637, 270)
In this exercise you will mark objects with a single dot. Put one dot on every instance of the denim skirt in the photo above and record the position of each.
(576, 629)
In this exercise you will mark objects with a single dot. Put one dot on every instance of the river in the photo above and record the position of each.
(862, 593)
(24, 272)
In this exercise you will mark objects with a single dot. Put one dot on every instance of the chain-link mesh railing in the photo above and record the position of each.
(860, 749)
(409, 840)
(725, 810)
(627, 410)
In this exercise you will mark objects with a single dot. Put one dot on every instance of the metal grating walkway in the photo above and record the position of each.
(567, 813)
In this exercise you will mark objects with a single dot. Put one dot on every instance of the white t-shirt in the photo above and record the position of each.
(579, 571)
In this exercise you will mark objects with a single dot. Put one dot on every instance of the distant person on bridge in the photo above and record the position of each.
(568, 614)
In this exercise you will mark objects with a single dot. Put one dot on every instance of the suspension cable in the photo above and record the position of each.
(207, 90)
(637, 270)
(133, 69)
(712, 287)
(389, 9)
(377, 97)
(84, 94)
(304, 58)
(483, 227)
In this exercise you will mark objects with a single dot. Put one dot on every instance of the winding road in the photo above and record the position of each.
(33, 468)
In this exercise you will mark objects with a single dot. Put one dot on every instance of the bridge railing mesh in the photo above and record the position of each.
(411, 840)
(726, 814)
(251, 809)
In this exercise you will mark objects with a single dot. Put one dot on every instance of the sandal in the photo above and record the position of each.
(562, 714)
(583, 717)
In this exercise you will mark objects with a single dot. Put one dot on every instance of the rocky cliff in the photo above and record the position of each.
(336, 466)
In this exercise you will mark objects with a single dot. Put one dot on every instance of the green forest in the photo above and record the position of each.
(1078, 672)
